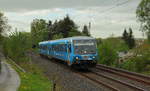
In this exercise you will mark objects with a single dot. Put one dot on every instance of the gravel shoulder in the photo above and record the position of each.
(65, 79)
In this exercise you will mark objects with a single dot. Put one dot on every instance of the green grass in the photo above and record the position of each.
(34, 82)
(146, 73)
(33, 79)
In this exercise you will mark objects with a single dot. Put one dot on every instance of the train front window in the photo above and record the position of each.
(84, 46)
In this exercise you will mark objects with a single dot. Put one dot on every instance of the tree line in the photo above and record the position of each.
(42, 30)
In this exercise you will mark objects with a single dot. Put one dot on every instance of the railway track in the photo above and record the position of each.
(120, 79)
(111, 83)
(99, 82)
(102, 75)
(130, 75)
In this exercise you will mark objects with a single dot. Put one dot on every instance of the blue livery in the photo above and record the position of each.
(80, 51)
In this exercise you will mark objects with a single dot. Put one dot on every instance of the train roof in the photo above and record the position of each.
(77, 37)
(69, 38)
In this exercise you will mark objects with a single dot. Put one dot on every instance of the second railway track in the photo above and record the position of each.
(115, 79)
(120, 79)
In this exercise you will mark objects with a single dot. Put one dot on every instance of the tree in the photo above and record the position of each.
(50, 32)
(57, 36)
(85, 31)
(65, 27)
(16, 45)
(4, 27)
(74, 33)
(131, 41)
(143, 14)
(39, 31)
(107, 54)
(125, 35)
(128, 38)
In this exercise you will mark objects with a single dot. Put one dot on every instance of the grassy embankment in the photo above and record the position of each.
(15, 47)
(33, 79)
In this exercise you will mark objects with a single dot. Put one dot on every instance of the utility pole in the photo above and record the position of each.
(89, 30)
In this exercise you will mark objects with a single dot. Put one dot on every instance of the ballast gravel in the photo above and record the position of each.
(64, 77)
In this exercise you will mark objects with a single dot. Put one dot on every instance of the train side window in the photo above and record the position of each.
(63, 48)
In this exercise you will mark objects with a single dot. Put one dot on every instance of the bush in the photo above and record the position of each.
(99, 41)
(107, 55)
(16, 45)
(141, 61)
(108, 48)
(117, 44)
(137, 64)
(129, 65)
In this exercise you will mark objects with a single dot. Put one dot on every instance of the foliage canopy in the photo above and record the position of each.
(143, 14)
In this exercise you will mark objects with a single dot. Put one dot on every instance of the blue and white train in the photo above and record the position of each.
(79, 51)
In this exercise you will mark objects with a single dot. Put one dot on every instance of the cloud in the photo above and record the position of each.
(19, 5)
(105, 16)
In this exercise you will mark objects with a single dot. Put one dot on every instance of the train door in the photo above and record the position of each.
(49, 49)
(69, 53)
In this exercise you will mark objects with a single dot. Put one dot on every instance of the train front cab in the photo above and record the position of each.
(83, 53)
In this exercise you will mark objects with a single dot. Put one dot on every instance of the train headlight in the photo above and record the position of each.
(77, 58)
(93, 57)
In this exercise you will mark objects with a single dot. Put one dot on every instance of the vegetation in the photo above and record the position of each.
(85, 31)
(16, 45)
(108, 51)
(116, 43)
(4, 27)
(39, 31)
(143, 12)
(107, 54)
(42, 30)
(34, 82)
(33, 79)
(128, 38)
(141, 61)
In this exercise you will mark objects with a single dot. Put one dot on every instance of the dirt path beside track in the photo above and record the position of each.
(9, 78)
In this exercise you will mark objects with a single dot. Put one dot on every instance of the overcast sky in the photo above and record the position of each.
(107, 17)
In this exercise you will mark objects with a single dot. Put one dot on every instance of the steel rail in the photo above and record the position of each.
(100, 82)
(123, 73)
(119, 81)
